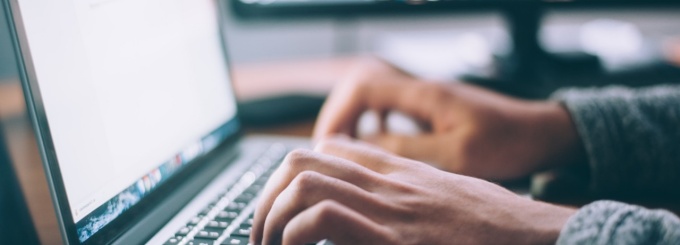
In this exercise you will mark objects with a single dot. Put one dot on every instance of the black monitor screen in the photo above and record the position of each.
(305, 8)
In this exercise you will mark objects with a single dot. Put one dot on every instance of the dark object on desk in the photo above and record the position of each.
(655, 73)
(280, 109)
(16, 226)
(649, 75)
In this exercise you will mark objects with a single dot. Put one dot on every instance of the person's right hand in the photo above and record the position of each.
(352, 193)
(469, 130)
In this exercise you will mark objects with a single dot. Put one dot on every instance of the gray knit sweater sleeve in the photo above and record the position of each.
(631, 136)
(632, 139)
(608, 222)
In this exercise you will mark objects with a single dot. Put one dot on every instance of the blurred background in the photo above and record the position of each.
(634, 34)
(439, 44)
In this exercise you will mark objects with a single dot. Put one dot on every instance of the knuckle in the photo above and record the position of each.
(298, 158)
(329, 144)
(324, 145)
(436, 92)
(298, 154)
(326, 212)
(358, 82)
(431, 94)
(306, 182)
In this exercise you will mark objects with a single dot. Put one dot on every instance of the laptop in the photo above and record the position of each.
(16, 226)
(137, 121)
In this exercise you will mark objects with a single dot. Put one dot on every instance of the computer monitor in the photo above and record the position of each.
(305, 8)
(526, 67)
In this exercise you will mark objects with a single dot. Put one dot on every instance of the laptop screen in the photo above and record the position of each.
(133, 90)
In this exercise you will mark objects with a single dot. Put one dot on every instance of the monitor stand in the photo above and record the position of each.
(529, 70)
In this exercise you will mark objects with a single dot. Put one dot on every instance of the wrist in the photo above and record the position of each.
(533, 222)
(557, 136)
(547, 221)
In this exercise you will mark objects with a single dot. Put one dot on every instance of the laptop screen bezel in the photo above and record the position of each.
(36, 111)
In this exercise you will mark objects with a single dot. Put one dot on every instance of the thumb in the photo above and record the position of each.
(422, 147)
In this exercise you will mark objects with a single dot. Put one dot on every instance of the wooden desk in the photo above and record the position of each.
(251, 81)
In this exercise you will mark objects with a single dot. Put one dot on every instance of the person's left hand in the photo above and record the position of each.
(467, 129)
(353, 193)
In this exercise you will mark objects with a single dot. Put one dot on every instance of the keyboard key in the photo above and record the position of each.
(172, 241)
(235, 207)
(217, 224)
(241, 232)
(227, 215)
(183, 231)
(195, 220)
(227, 220)
(201, 242)
(208, 235)
(236, 241)
(206, 210)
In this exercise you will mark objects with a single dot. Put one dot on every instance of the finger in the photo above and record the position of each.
(310, 188)
(419, 147)
(303, 160)
(346, 103)
(381, 160)
(344, 93)
(323, 221)
(364, 154)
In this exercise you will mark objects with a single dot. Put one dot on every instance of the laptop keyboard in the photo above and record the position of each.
(229, 218)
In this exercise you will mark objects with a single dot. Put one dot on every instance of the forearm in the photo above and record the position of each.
(607, 222)
(631, 137)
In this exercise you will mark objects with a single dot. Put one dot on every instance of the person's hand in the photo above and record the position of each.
(353, 193)
(468, 130)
